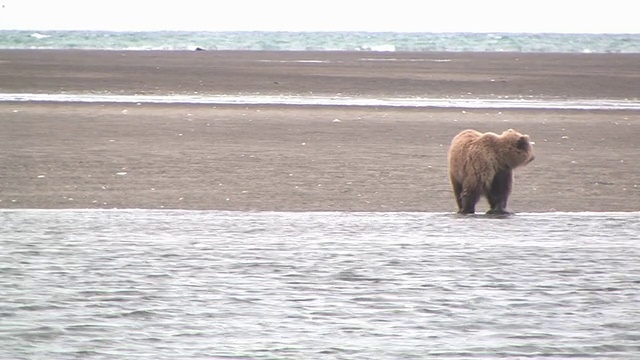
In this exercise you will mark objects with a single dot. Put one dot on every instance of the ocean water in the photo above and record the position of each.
(142, 284)
(319, 41)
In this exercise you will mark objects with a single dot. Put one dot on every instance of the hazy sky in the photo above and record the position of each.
(595, 16)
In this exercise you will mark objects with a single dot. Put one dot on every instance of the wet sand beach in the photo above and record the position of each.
(303, 158)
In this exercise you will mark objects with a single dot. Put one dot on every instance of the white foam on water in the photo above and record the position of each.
(500, 103)
(295, 61)
(405, 60)
(39, 36)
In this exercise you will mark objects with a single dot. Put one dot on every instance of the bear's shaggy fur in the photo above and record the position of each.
(482, 165)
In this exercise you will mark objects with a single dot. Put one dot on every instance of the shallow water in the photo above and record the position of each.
(137, 284)
(499, 103)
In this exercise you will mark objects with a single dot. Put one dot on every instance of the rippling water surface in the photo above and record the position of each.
(530, 103)
(137, 284)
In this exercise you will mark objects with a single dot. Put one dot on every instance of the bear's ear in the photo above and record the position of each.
(523, 142)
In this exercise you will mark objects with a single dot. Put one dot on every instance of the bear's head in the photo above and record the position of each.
(519, 146)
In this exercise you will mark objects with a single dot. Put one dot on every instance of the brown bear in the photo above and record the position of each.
(482, 165)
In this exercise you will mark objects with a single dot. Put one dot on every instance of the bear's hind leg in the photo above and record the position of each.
(499, 192)
(457, 192)
(468, 201)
